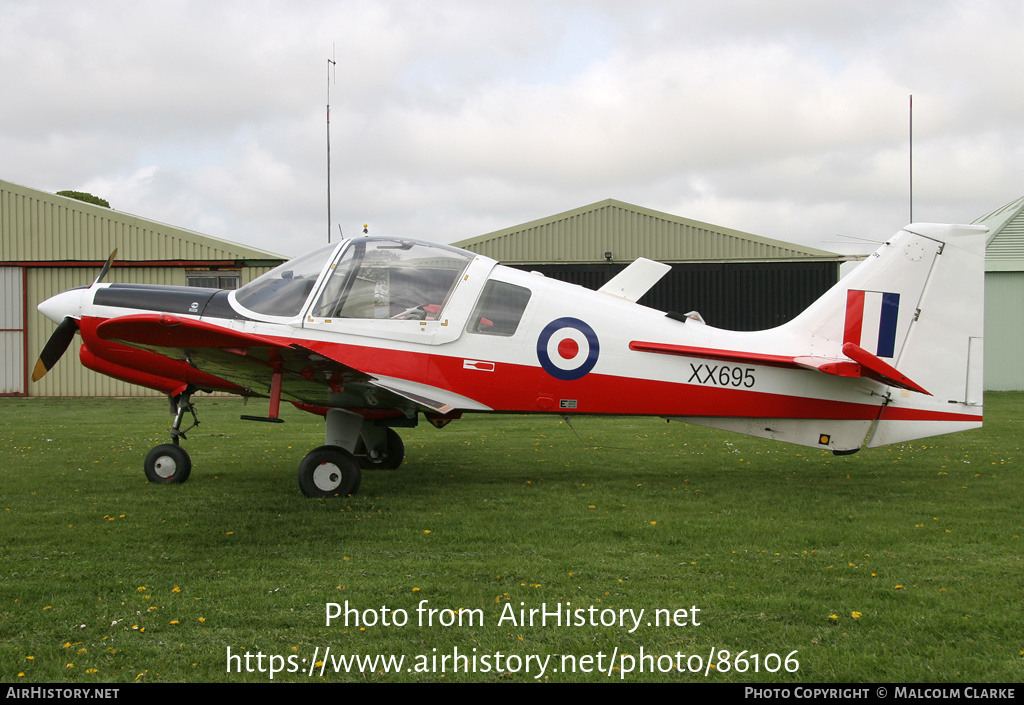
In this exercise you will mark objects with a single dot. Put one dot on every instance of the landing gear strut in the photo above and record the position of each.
(169, 463)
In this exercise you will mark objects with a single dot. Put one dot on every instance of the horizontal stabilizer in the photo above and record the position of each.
(861, 363)
(716, 354)
(878, 369)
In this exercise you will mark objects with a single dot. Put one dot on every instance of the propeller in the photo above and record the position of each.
(61, 338)
(106, 267)
(55, 347)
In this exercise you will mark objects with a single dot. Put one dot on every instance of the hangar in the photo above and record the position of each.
(734, 279)
(1004, 297)
(51, 243)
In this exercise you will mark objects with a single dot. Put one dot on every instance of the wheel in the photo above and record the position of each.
(392, 458)
(328, 471)
(168, 463)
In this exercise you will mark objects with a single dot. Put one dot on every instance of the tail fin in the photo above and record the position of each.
(918, 305)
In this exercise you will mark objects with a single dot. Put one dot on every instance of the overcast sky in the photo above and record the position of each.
(450, 119)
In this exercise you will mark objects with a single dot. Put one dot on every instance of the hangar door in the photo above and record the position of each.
(12, 331)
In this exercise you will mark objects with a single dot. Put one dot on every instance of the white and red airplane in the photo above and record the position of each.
(374, 333)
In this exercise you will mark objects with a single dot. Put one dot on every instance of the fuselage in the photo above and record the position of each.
(449, 330)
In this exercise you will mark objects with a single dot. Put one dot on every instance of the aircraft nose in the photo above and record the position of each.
(67, 303)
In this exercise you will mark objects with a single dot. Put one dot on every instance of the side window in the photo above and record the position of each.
(500, 309)
(213, 279)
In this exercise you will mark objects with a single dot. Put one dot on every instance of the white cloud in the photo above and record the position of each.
(449, 119)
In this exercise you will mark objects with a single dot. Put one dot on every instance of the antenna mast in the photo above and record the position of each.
(911, 158)
(330, 64)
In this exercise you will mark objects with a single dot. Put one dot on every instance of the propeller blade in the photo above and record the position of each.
(106, 267)
(55, 347)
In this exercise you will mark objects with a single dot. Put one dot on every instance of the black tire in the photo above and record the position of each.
(393, 457)
(329, 471)
(168, 464)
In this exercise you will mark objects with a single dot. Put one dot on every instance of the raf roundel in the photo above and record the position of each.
(568, 349)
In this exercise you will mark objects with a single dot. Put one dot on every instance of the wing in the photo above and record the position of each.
(312, 378)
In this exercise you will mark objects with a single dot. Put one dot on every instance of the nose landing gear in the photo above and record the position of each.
(169, 463)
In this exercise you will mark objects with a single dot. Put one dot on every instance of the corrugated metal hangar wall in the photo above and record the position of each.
(50, 243)
(735, 280)
(1004, 297)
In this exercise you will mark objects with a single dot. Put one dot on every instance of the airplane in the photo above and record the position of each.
(375, 333)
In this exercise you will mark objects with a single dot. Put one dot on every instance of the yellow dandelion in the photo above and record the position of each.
(415, 589)
(175, 589)
(833, 616)
(174, 621)
(202, 619)
(855, 615)
(140, 588)
(898, 587)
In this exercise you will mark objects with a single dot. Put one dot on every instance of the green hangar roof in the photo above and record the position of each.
(588, 234)
(36, 226)
(1004, 251)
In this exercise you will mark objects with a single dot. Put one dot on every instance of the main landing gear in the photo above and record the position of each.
(353, 444)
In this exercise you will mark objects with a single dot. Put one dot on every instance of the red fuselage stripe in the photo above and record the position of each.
(510, 387)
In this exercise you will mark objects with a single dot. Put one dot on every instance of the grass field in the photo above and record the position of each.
(895, 564)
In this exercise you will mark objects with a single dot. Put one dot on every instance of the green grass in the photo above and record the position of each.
(106, 578)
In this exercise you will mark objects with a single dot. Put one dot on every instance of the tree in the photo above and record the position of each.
(86, 197)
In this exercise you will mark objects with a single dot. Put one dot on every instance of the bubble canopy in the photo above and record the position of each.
(380, 278)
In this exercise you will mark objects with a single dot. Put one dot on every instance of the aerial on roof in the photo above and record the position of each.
(625, 231)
